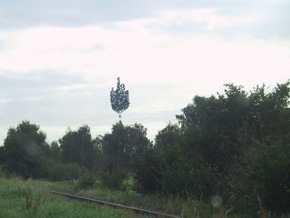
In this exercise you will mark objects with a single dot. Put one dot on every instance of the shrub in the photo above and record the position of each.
(263, 179)
(114, 179)
(86, 180)
(147, 176)
(55, 171)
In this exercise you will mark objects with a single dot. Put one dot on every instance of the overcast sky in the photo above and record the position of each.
(59, 59)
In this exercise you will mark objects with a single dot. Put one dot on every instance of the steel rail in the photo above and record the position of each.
(115, 205)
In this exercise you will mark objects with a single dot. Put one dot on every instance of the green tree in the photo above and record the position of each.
(167, 168)
(78, 147)
(147, 172)
(157, 170)
(119, 98)
(211, 127)
(2, 155)
(24, 148)
(246, 131)
(55, 151)
(218, 129)
(269, 112)
(262, 179)
(214, 135)
(170, 135)
(124, 144)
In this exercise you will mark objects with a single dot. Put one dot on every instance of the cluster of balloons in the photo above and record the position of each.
(119, 98)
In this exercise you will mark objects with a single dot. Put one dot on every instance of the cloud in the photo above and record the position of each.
(208, 18)
(73, 13)
(211, 14)
(58, 74)
(144, 51)
(44, 92)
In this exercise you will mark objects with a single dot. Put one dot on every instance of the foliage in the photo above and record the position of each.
(265, 179)
(119, 98)
(123, 145)
(114, 179)
(167, 169)
(24, 147)
(216, 137)
(170, 135)
(55, 151)
(215, 123)
(86, 180)
(222, 133)
(78, 147)
(2, 156)
(58, 171)
(147, 174)
(219, 129)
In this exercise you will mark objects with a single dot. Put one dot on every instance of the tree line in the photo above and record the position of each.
(234, 144)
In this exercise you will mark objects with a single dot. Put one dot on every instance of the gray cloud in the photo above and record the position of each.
(40, 80)
(275, 23)
(72, 12)
(75, 13)
(55, 99)
(35, 94)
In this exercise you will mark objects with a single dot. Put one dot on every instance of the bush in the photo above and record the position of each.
(114, 179)
(147, 176)
(169, 171)
(56, 171)
(263, 179)
(86, 180)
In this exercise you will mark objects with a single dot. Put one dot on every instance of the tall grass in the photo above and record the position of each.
(167, 204)
(30, 198)
(26, 199)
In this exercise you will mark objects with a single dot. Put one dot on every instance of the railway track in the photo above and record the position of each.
(115, 205)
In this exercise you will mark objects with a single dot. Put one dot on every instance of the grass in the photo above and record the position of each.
(30, 198)
(169, 204)
(25, 199)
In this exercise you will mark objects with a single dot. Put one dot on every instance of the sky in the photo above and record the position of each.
(59, 59)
